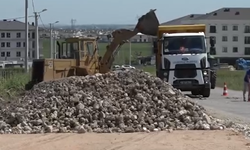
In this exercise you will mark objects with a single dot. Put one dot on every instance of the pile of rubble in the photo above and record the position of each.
(127, 101)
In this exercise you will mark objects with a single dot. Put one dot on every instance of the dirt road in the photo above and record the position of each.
(177, 140)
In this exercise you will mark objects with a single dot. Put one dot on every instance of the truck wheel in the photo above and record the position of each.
(195, 92)
(213, 79)
(206, 92)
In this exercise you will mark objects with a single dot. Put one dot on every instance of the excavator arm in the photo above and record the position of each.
(147, 24)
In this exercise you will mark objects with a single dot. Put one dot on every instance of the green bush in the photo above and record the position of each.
(12, 82)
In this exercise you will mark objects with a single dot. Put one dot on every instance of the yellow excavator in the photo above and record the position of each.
(79, 56)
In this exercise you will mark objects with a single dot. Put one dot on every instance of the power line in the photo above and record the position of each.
(16, 18)
(39, 16)
(33, 6)
(41, 20)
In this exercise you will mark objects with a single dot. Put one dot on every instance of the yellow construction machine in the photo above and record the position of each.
(79, 56)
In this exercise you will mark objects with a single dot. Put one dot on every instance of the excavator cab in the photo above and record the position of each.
(73, 57)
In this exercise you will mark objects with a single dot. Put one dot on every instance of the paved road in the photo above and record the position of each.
(231, 105)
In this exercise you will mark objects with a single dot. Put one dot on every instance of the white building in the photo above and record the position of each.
(230, 27)
(140, 38)
(12, 40)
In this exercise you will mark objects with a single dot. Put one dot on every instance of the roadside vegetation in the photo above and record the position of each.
(233, 79)
(12, 82)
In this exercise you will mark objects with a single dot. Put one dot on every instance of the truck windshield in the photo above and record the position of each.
(184, 44)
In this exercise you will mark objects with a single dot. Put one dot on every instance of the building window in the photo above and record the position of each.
(235, 49)
(8, 35)
(29, 54)
(18, 54)
(8, 44)
(224, 28)
(212, 29)
(33, 44)
(8, 54)
(2, 44)
(24, 44)
(224, 38)
(18, 35)
(247, 40)
(2, 54)
(235, 28)
(18, 44)
(29, 35)
(224, 49)
(247, 50)
(2, 35)
(247, 29)
(235, 38)
(33, 35)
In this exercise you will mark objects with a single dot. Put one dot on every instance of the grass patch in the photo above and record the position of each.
(142, 49)
(12, 82)
(233, 79)
(150, 69)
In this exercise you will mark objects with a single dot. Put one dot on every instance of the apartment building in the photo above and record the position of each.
(229, 26)
(12, 40)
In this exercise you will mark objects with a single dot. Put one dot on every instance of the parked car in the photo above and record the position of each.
(127, 67)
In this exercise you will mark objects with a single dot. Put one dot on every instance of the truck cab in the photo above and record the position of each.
(182, 59)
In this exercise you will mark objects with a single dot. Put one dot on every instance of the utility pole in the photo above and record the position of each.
(37, 36)
(26, 37)
(51, 39)
(55, 53)
(37, 33)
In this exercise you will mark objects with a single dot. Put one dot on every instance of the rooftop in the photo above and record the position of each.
(13, 25)
(225, 13)
(179, 20)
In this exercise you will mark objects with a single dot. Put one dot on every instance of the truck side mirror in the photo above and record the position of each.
(212, 41)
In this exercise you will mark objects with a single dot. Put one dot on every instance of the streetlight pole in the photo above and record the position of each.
(51, 42)
(51, 39)
(26, 37)
(55, 54)
(37, 33)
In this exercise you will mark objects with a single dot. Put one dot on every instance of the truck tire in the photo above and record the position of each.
(213, 79)
(206, 92)
(195, 92)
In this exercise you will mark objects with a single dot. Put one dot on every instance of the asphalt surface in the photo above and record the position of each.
(231, 106)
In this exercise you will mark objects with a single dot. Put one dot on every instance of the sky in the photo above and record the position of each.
(111, 11)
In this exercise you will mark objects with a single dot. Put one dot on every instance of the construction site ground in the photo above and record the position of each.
(231, 107)
(177, 140)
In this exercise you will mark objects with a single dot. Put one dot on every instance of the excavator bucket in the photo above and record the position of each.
(148, 23)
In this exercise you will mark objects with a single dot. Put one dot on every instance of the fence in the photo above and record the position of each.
(10, 72)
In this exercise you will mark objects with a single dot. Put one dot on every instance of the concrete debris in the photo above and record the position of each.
(126, 101)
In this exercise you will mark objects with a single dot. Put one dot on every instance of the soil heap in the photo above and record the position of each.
(125, 101)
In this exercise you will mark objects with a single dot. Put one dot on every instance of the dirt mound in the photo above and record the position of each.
(127, 101)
